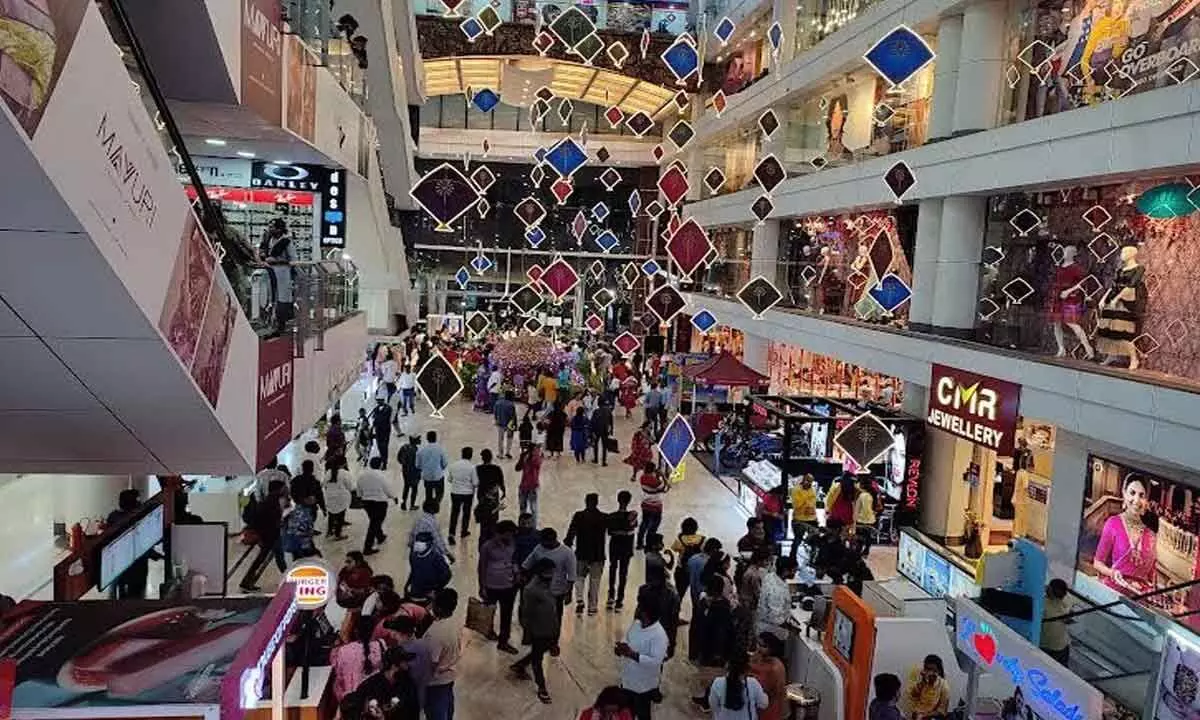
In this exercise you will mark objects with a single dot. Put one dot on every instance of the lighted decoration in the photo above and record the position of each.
(762, 207)
(445, 194)
(485, 100)
(537, 175)
(562, 189)
(1097, 216)
(579, 225)
(560, 278)
(681, 101)
(596, 269)
(634, 202)
(665, 303)
(899, 55)
(472, 28)
(543, 42)
(719, 101)
(681, 134)
(654, 209)
(530, 212)
(1169, 200)
(644, 43)
(704, 321)
(890, 292)
(626, 344)
(639, 123)
(594, 323)
(1025, 222)
(610, 178)
(565, 108)
(483, 178)
(600, 211)
(439, 383)
(618, 53)
(682, 59)
(768, 123)
(899, 179)
(630, 274)
(533, 326)
(606, 241)
(589, 48)
(865, 440)
(650, 268)
(478, 323)
(462, 277)
(572, 27)
(676, 441)
(603, 298)
(615, 116)
(714, 180)
(775, 39)
(769, 173)
(535, 236)
(688, 247)
(724, 30)
(489, 19)
(674, 185)
(483, 207)
(534, 273)
(482, 263)
(452, 7)
(565, 156)
(526, 299)
(759, 295)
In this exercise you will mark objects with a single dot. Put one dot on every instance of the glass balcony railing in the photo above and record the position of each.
(332, 34)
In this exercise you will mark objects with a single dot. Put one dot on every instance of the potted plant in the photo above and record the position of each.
(972, 536)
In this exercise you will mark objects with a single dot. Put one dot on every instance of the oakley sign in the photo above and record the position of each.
(974, 407)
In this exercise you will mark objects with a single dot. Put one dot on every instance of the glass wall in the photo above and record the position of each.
(817, 19)
(661, 17)
(1103, 274)
(797, 371)
(453, 111)
(731, 268)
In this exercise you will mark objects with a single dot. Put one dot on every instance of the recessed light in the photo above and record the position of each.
(243, 153)
(215, 141)
(281, 162)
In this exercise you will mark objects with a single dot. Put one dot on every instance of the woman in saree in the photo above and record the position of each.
(1126, 556)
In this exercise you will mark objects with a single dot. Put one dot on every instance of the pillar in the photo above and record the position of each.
(1065, 512)
(784, 13)
(925, 257)
(944, 494)
(693, 154)
(945, 77)
(980, 81)
(916, 399)
(764, 251)
(957, 289)
(754, 352)
(577, 312)
(431, 307)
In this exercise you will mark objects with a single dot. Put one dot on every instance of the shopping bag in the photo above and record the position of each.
(611, 445)
(480, 617)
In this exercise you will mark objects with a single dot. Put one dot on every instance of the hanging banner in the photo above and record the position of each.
(276, 381)
(262, 58)
(974, 407)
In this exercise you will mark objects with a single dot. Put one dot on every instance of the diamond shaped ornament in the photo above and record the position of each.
(534, 273)
(603, 298)
(762, 208)
(589, 48)
(639, 123)
(681, 59)
(654, 209)
(543, 43)
(630, 274)
(681, 134)
(600, 211)
(482, 263)
(610, 178)
(864, 440)
(562, 189)
(657, 152)
(477, 323)
(899, 55)
(759, 296)
(1025, 222)
(572, 27)
(724, 30)
(472, 28)
(634, 202)
(596, 269)
(579, 225)
(890, 292)
(899, 179)
(626, 344)
(768, 123)
(462, 277)
(682, 101)
(530, 211)
(560, 278)
(615, 116)
(535, 236)
(689, 247)
(618, 53)
(594, 323)
(484, 100)
(714, 180)
(483, 207)
(537, 175)
(1097, 216)
(439, 383)
(445, 194)
(526, 299)
(704, 321)
(719, 101)
(650, 268)
(673, 185)
(775, 37)
(489, 19)
(565, 108)
(769, 173)
(606, 241)
(532, 325)
(566, 156)
(483, 178)
(665, 303)
(452, 7)
(676, 442)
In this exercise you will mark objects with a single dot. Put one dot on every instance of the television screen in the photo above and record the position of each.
(843, 634)
(125, 549)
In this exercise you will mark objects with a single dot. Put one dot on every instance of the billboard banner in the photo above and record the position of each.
(276, 382)
(262, 59)
(974, 407)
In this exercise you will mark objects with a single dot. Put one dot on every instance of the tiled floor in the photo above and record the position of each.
(587, 663)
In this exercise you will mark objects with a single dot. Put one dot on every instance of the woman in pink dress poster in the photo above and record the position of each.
(1126, 557)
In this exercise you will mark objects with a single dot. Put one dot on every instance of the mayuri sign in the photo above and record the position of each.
(1053, 691)
(974, 407)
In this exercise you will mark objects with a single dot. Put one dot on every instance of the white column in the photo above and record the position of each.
(925, 259)
(693, 155)
(957, 290)
(754, 352)
(784, 13)
(577, 315)
(764, 251)
(944, 494)
(980, 67)
(1065, 512)
(431, 294)
(945, 77)
(916, 399)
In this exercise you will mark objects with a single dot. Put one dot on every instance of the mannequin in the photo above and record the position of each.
(1121, 310)
(1065, 302)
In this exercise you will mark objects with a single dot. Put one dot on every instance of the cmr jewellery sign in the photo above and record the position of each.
(975, 407)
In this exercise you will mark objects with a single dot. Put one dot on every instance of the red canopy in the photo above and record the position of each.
(724, 369)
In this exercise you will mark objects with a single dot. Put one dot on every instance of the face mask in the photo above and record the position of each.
(420, 547)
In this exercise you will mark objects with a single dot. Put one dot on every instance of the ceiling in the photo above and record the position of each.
(517, 79)
(241, 130)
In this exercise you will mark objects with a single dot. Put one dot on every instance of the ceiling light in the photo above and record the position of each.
(281, 162)
(243, 153)
(215, 141)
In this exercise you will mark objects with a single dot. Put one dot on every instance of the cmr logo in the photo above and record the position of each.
(977, 401)
(275, 380)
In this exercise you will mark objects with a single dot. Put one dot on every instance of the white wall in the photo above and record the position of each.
(226, 17)
(322, 376)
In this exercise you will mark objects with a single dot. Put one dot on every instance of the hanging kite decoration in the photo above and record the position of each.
(775, 40)
(689, 247)
(899, 180)
(682, 59)
(477, 323)
(704, 321)
(439, 382)
(759, 296)
(899, 55)
(665, 303)
(445, 194)
(559, 279)
(676, 442)
(724, 30)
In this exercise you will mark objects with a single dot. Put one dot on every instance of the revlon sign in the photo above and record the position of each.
(974, 407)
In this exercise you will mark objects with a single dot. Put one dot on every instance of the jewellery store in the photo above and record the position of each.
(988, 469)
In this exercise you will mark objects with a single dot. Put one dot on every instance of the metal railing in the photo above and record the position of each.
(317, 23)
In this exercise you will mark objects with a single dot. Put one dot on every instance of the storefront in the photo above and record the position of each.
(721, 338)
(797, 371)
(993, 479)
(1101, 274)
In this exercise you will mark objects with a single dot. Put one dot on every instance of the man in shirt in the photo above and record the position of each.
(490, 494)
(427, 523)
(1055, 640)
(586, 534)
(444, 641)
(564, 571)
(602, 430)
(266, 476)
(388, 372)
(505, 413)
(642, 653)
(408, 391)
(407, 457)
(267, 523)
(804, 512)
(393, 687)
(306, 484)
(432, 461)
(494, 381)
(498, 578)
(463, 484)
(374, 490)
(653, 406)
(381, 424)
(775, 599)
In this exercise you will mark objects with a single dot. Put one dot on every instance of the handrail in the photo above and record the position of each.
(1132, 598)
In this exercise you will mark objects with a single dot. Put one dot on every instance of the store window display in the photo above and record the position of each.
(797, 371)
(1104, 274)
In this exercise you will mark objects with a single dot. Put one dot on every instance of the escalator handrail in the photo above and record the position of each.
(1124, 600)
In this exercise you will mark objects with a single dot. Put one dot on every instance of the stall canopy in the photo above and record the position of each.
(726, 370)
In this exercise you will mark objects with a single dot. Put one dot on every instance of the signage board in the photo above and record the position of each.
(314, 584)
(219, 172)
(1052, 691)
(262, 58)
(932, 572)
(1175, 693)
(328, 183)
(974, 407)
(276, 384)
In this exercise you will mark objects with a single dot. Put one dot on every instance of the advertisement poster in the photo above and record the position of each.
(213, 346)
(276, 383)
(1178, 694)
(100, 653)
(301, 89)
(974, 407)
(1128, 46)
(188, 292)
(40, 39)
(262, 59)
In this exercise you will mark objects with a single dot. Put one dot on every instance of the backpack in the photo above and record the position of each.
(250, 511)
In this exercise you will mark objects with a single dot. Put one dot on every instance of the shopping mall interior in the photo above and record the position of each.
(889, 297)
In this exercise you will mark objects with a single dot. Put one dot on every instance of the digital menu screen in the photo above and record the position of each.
(931, 571)
(125, 549)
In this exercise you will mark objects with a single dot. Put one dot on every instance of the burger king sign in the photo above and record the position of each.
(314, 584)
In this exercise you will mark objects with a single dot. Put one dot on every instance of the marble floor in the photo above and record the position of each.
(484, 688)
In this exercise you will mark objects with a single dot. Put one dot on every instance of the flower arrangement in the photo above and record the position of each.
(527, 355)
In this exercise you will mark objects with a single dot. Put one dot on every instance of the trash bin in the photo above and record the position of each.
(805, 702)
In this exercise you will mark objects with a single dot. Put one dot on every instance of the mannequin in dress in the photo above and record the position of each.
(1065, 302)
(1121, 310)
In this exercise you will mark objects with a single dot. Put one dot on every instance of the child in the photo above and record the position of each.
(887, 690)
(653, 488)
